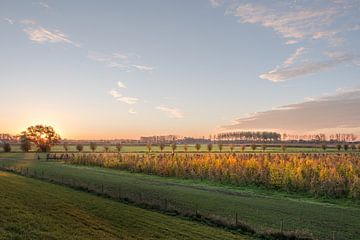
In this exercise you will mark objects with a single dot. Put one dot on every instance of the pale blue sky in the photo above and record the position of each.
(184, 67)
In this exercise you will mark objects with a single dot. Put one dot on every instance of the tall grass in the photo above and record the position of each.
(331, 175)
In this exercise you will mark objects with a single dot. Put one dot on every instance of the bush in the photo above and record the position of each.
(7, 147)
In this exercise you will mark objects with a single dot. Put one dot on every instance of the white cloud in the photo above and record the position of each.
(42, 35)
(121, 85)
(115, 93)
(304, 22)
(293, 25)
(128, 100)
(143, 67)
(171, 111)
(9, 20)
(215, 3)
(287, 71)
(120, 60)
(328, 112)
(43, 4)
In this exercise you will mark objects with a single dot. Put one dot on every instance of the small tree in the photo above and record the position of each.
(253, 147)
(25, 143)
(283, 147)
(353, 147)
(338, 147)
(161, 146)
(66, 146)
(6, 147)
(106, 148)
(209, 147)
(149, 147)
(79, 147)
(197, 147)
(232, 146)
(173, 147)
(263, 147)
(118, 147)
(242, 148)
(346, 146)
(220, 147)
(42, 136)
(93, 146)
(186, 148)
(324, 147)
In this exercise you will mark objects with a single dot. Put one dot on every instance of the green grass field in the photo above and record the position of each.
(261, 209)
(191, 148)
(33, 209)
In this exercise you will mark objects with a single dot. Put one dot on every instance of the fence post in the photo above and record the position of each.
(333, 235)
(282, 225)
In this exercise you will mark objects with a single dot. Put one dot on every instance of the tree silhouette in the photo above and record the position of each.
(232, 146)
(338, 147)
(197, 146)
(253, 147)
(44, 137)
(323, 146)
(79, 147)
(161, 146)
(6, 147)
(173, 147)
(220, 147)
(93, 146)
(66, 146)
(186, 148)
(210, 147)
(118, 147)
(149, 147)
(25, 143)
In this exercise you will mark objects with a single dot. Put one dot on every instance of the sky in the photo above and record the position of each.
(125, 69)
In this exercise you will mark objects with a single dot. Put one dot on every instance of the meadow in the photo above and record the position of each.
(262, 210)
(33, 209)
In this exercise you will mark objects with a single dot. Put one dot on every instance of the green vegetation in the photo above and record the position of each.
(192, 148)
(32, 209)
(263, 210)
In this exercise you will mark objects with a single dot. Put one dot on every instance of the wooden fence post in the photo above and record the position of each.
(282, 225)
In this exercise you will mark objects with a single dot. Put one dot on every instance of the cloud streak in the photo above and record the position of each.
(172, 112)
(123, 61)
(331, 112)
(289, 71)
(40, 35)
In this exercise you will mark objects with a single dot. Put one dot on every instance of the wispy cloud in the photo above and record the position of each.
(123, 61)
(289, 71)
(128, 100)
(216, 3)
(42, 4)
(115, 93)
(171, 111)
(41, 35)
(121, 84)
(305, 22)
(9, 20)
(330, 112)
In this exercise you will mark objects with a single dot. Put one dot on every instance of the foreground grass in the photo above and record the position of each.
(263, 210)
(32, 209)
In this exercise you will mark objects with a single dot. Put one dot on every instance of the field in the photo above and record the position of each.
(263, 210)
(33, 209)
(291, 148)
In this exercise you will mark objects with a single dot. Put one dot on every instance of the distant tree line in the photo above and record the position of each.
(249, 136)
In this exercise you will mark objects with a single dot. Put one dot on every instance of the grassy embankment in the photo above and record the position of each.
(33, 209)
